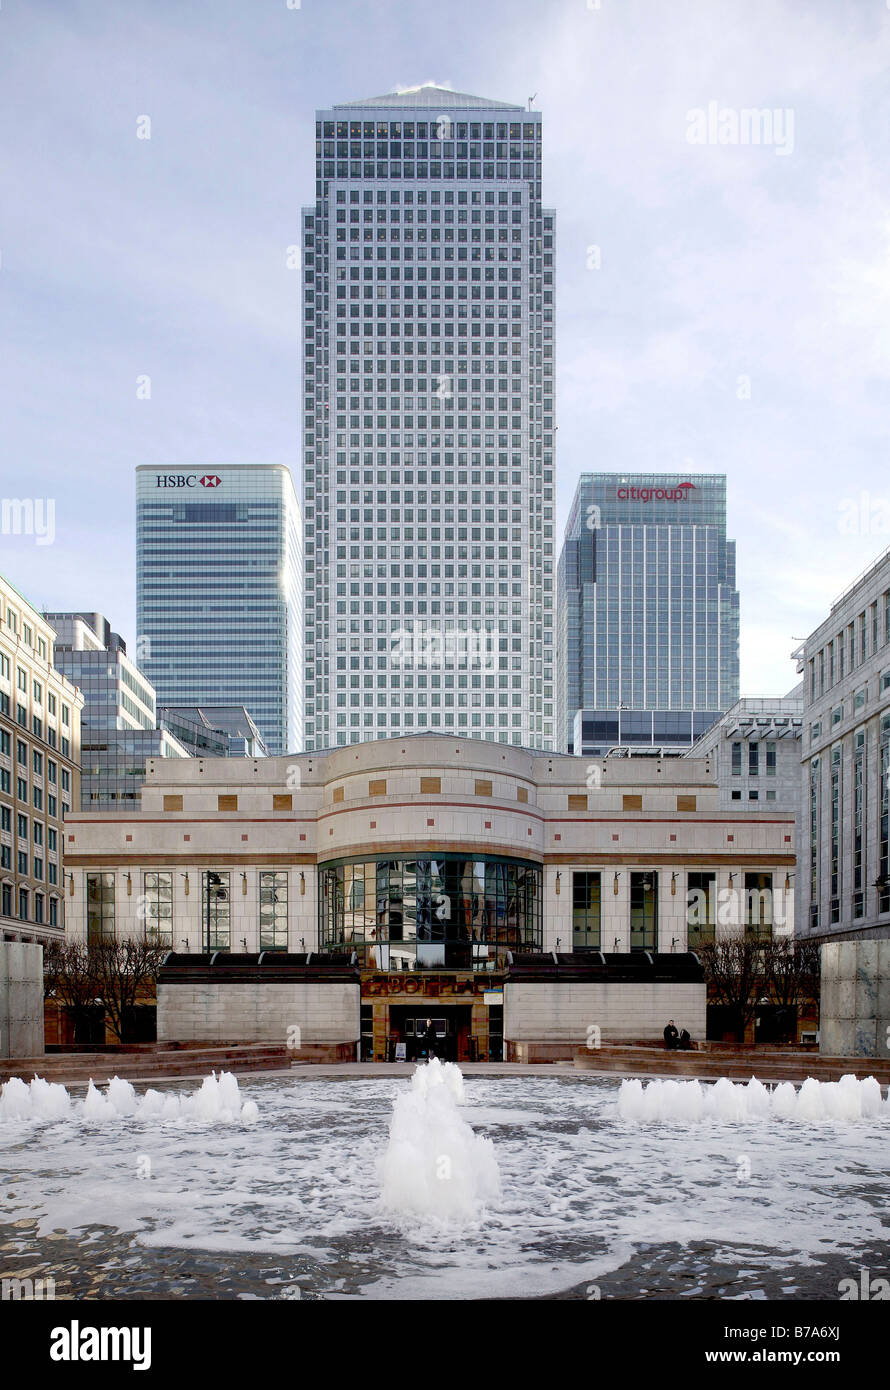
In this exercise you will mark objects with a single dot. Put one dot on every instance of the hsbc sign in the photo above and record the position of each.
(188, 480)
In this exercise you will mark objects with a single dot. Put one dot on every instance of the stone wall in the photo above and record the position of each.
(21, 999)
(854, 1013)
(563, 1012)
(253, 1012)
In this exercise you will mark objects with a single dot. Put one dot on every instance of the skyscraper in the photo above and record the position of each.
(219, 580)
(118, 721)
(648, 627)
(428, 484)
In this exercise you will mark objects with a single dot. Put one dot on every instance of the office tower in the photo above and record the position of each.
(219, 592)
(428, 481)
(648, 627)
(118, 733)
(214, 731)
(40, 713)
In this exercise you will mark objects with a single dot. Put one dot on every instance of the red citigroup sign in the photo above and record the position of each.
(679, 493)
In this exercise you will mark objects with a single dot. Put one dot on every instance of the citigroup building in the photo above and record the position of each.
(648, 612)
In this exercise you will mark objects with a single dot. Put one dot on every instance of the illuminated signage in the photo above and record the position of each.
(680, 493)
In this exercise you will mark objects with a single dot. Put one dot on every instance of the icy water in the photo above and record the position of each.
(593, 1201)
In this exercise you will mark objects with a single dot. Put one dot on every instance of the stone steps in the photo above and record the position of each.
(76, 1068)
(767, 1065)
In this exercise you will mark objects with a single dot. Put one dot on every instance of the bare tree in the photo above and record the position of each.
(791, 971)
(734, 975)
(68, 976)
(122, 970)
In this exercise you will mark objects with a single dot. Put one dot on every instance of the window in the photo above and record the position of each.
(759, 906)
(753, 759)
(273, 910)
(701, 905)
(814, 843)
(215, 910)
(158, 906)
(171, 803)
(686, 803)
(835, 857)
(430, 786)
(100, 908)
(631, 803)
(644, 911)
(577, 802)
(736, 760)
(884, 822)
(482, 788)
(586, 911)
(859, 852)
(282, 801)
(225, 803)
(377, 787)
(770, 758)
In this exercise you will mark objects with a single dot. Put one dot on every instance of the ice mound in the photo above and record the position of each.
(685, 1101)
(217, 1101)
(435, 1167)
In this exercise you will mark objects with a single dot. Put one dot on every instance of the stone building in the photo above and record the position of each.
(431, 866)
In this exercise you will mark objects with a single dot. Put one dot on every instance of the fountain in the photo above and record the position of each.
(435, 1166)
(436, 1187)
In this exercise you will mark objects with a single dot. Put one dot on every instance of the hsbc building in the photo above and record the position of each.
(648, 612)
(219, 592)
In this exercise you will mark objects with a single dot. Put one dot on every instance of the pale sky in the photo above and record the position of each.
(739, 320)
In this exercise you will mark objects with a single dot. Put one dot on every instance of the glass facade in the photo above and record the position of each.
(428, 423)
(100, 908)
(644, 912)
(648, 611)
(219, 591)
(586, 911)
(701, 909)
(158, 907)
(415, 914)
(273, 910)
(216, 903)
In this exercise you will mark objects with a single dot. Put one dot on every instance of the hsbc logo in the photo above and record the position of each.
(187, 480)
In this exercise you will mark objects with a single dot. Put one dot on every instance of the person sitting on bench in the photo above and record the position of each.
(671, 1036)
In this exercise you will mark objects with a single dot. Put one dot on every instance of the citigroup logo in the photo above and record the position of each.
(679, 493)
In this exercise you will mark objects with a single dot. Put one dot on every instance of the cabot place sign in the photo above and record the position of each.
(680, 493)
(187, 480)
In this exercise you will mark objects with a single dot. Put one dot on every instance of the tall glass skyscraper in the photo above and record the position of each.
(219, 589)
(428, 484)
(648, 627)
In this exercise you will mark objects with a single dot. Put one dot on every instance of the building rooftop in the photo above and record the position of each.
(428, 96)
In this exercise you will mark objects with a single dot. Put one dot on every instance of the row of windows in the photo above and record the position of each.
(30, 907)
(851, 647)
(753, 908)
(848, 810)
(858, 701)
(408, 130)
(155, 908)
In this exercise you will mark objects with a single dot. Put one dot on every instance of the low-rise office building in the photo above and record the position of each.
(754, 748)
(433, 863)
(118, 721)
(844, 808)
(40, 713)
